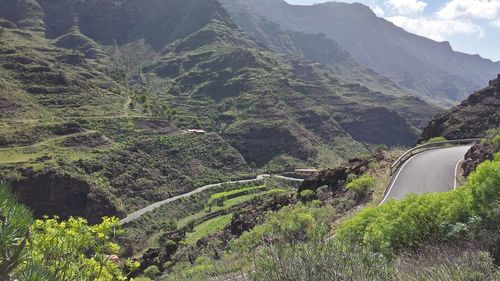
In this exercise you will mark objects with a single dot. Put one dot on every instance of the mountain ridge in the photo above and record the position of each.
(430, 69)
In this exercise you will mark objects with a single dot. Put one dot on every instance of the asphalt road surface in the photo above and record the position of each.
(429, 171)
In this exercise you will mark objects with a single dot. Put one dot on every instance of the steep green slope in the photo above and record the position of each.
(314, 47)
(95, 94)
(260, 100)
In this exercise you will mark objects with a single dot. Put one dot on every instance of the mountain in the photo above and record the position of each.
(471, 119)
(313, 47)
(96, 97)
(428, 68)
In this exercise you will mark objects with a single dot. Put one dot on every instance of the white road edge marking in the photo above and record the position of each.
(395, 179)
(455, 181)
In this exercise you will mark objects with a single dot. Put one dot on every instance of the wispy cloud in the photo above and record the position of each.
(407, 7)
(480, 9)
(437, 29)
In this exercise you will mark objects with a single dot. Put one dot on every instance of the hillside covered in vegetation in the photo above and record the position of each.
(432, 70)
(97, 96)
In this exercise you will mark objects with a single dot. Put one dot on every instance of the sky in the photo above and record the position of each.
(471, 26)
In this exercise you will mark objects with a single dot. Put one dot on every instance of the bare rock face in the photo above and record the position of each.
(380, 125)
(479, 153)
(335, 178)
(52, 194)
(260, 145)
(471, 119)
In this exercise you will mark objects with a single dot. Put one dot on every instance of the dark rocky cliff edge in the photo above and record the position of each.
(472, 118)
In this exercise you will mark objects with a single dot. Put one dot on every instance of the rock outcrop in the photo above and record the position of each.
(480, 152)
(335, 178)
(50, 194)
(471, 119)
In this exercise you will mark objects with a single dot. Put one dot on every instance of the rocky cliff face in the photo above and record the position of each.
(480, 152)
(471, 119)
(65, 196)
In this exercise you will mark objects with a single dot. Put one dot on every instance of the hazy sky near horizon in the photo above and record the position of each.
(471, 26)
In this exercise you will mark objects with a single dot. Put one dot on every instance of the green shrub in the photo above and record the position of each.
(190, 226)
(276, 191)
(307, 195)
(201, 265)
(141, 278)
(167, 265)
(319, 261)
(351, 178)
(301, 222)
(152, 272)
(240, 191)
(435, 139)
(219, 201)
(410, 222)
(446, 262)
(79, 251)
(496, 141)
(361, 185)
(15, 223)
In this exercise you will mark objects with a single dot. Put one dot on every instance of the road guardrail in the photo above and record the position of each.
(424, 147)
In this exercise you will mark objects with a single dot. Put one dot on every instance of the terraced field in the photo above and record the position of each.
(199, 215)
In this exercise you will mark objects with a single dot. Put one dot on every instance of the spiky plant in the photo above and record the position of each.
(15, 222)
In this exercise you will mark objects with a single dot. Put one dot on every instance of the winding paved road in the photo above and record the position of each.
(138, 213)
(429, 171)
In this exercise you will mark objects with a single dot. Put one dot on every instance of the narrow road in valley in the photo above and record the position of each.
(429, 171)
(138, 213)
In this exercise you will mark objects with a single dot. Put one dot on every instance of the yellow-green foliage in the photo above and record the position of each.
(435, 139)
(411, 221)
(496, 141)
(226, 194)
(361, 184)
(300, 222)
(73, 250)
(209, 227)
(50, 249)
(276, 191)
(307, 195)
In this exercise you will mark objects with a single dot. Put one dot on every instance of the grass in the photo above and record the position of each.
(209, 227)
(227, 204)
(152, 240)
(237, 191)
(19, 156)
